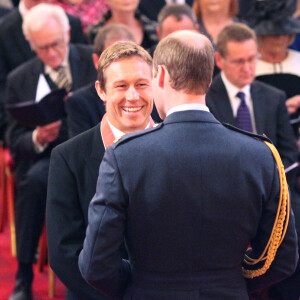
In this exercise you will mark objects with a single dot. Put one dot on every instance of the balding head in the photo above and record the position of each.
(189, 59)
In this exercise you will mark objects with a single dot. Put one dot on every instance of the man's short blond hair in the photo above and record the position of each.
(120, 50)
(190, 67)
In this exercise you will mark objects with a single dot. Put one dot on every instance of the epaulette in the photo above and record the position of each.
(133, 135)
(257, 136)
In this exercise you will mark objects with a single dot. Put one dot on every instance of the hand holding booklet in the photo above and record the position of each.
(48, 110)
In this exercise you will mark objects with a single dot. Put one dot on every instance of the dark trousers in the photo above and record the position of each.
(30, 210)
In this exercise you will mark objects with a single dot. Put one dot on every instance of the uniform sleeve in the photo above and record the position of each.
(286, 257)
(66, 227)
(100, 261)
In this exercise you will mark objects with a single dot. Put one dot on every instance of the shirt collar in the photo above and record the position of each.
(189, 106)
(232, 90)
(118, 133)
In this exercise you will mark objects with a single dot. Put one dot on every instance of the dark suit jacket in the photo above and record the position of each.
(270, 114)
(72, 184)
(3, 11)
(189, 196)
(84, 110)
(21, 86)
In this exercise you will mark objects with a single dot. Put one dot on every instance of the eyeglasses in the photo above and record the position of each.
(55, 45)
(241, 62)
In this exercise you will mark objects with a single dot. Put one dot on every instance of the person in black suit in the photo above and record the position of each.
(46, 27)
(84, 109)
(75, 164)
(188, 196)
(15, 50)
(236, 56)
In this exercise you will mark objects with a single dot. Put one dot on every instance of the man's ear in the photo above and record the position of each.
(95, 58)
(161, 75)
(158, 32)
(219, 60)
(101, 93)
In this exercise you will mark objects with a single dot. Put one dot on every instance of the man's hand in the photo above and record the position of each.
(293, 104)
(48, 133)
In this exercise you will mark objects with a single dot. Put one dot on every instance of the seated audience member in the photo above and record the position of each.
(213, 16)
(152, 9)
(236, 98)
(47, 29)
(174, 17)
(84, 109)
(274, 37)
(126, 13)
(15, 49)
(124, 84)
(88, 11)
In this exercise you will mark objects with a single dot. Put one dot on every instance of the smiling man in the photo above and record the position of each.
(124, 84)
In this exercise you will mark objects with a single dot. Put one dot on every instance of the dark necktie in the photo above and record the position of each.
(243, 118)
(62, 80)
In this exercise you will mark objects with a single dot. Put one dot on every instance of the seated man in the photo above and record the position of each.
(124, 84)
(84, 110)
(57, 64)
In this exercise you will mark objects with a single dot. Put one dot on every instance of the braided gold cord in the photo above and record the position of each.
(279, 227)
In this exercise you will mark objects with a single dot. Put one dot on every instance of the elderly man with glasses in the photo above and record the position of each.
(58, 64)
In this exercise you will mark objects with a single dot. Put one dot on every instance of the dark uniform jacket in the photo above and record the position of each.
(189, 196)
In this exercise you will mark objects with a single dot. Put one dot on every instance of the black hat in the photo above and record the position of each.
(270, 17)
(284, 26)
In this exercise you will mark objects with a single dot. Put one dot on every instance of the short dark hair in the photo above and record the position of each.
(117, 51)
(235, 32)
(190, 67)
(111, 32)
(177, 11)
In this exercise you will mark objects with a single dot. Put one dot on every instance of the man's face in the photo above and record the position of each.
(128, 93)
(239, 63)
(123, 5)
(50, 43)
(171, 24)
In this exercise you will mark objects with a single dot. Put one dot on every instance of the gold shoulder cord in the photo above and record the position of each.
(279, 227)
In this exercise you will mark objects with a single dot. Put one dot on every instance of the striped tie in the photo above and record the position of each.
(62, 80)
(243, 118)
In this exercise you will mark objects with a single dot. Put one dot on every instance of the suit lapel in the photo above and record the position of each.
(221, 102)
(258, 108)
(75, 66)
(97, 151)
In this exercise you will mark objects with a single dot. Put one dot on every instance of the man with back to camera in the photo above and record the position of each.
(58, 64)
(124, 84)
(188, 197)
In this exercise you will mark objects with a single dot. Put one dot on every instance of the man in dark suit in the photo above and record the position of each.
(15, 50)
(188, 196)
(84, 109)
(236, 56)
(75, 164)
(46, 27)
